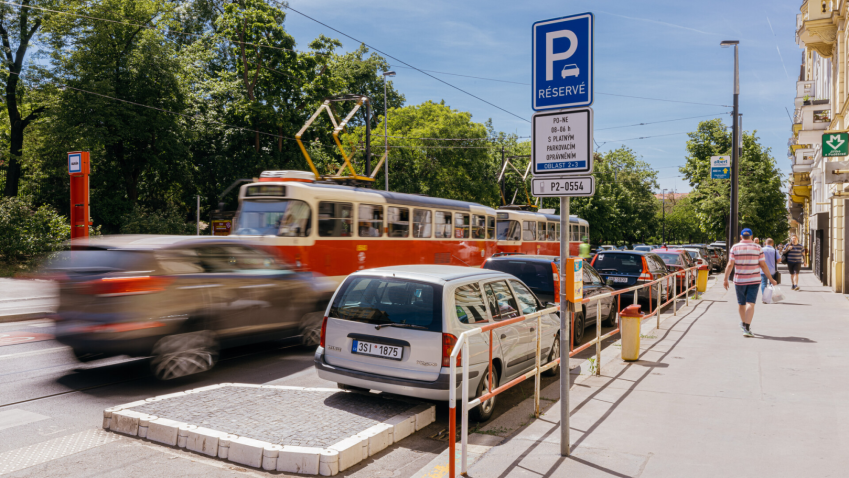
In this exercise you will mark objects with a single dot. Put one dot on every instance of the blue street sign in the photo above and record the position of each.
(563, 62)
(720, 167)
(720, 173)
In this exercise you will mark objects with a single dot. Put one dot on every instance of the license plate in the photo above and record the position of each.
(620, 279)
(377, 350)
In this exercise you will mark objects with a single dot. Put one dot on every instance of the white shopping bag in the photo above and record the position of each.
(777, 296)
(768, 294)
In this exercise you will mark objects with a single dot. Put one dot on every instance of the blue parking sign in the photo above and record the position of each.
(563, 62)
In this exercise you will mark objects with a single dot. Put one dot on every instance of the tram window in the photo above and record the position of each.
(370, 220)
(575, 235)
(540, 231)
(585, 234)
(478, 227)
(335, 219)
(444, 227)
(529, 229)
(422, 226)
(289, 218)
(551, 233)
(461, 226)
(399, 222)
(557, 231)
(509, 230)
(490, 227)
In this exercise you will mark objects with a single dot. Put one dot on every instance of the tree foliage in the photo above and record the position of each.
(27, 232)
(761, 202)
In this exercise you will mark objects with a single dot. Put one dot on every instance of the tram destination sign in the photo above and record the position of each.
(563, 186)
(562, 142)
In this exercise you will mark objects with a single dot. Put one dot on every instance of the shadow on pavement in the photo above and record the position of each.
(800, 340)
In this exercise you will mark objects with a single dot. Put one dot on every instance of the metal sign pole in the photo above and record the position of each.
(565, 324)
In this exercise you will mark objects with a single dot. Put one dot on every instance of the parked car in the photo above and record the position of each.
(606, 248)
(626, 269)
(643, 248)
(541, 274)
(719, 254)
(678, 260)
(393, 329)
(696, 254)
(713, 258)
(622, 248)
(179, 299)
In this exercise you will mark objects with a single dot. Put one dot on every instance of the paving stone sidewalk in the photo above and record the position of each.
(287, 417)
(705, 401)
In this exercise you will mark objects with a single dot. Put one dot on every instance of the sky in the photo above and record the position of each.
(667, 51)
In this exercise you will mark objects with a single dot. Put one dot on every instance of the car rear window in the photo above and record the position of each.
(101, 261)
(670, 258)
(386, 300)
(539, 276)
(627, 263)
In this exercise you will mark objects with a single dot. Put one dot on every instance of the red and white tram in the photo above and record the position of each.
(335, 230)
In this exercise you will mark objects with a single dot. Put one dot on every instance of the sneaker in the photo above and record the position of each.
(748, 332)
(743, 328)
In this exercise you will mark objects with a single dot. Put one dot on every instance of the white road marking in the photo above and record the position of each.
(34, 352)
(53, 449)
(17, 417)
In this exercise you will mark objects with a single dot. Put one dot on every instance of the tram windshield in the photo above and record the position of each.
(287, 217)
(509, 230)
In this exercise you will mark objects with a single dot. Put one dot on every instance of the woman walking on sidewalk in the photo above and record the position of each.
(794, 261)
(747, 260)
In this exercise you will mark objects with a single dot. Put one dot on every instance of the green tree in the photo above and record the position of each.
(623, 208)
(18, 29)
(435, 168)
(761, 203)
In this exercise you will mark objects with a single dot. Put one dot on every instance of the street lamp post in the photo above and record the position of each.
(733, 222)
(663, 235)
(385, 137)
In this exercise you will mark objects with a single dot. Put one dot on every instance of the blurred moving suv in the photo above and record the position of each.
(179, 299)
(393, 329)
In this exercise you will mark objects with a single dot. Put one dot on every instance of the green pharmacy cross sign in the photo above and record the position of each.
(835, 144)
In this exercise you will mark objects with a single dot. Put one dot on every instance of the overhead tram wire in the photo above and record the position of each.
(288, 7)
(644, 137)
(663, 121)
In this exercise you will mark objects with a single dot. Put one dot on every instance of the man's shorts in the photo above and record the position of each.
(794, 267)
(747, 293)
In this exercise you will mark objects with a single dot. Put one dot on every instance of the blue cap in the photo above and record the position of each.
(746, 232)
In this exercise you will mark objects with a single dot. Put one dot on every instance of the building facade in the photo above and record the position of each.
(817, 196)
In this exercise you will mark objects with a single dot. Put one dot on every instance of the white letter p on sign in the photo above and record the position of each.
(551, 57)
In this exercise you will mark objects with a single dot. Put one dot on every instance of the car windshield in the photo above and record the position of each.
(286, 217)
(643, 248)
(509, 230)
(539, 276)
(627, 263)
(386, 300)
(670, 258)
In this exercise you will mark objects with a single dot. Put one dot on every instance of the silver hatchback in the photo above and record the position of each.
(392, 329)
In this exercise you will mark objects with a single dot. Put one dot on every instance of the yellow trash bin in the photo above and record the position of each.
(701, 282)
(630, 325)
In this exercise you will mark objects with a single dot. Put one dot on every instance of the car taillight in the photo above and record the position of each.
(323, 332)
(120, 286)
(646, 275)
(448, 343)
(556, 283)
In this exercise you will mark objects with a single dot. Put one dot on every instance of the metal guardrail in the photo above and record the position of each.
(462, 345)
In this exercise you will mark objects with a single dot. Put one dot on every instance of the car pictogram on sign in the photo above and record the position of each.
(570, 70)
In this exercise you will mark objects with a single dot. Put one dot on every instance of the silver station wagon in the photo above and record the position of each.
(392, 329)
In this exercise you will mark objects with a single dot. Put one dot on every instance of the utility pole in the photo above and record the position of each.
(733, 222)
(502, 169)
(663, 236)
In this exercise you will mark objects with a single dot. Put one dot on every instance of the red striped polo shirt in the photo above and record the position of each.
(746, 256)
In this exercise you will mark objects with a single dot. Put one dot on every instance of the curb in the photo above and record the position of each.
(263, 455)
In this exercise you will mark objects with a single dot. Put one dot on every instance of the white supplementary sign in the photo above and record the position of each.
(75, 163)
(573, 186)
(562, 142)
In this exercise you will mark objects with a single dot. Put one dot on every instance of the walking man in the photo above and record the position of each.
(794, 261)
(746, 258)
(772, 258)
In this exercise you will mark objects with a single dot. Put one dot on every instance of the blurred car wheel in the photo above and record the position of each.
(311, 328)
(180, 355)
